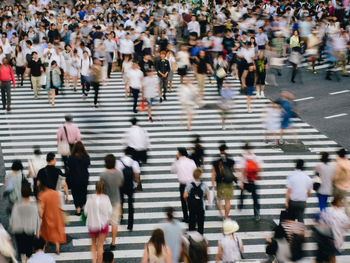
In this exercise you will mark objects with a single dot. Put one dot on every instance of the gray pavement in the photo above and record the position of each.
(318, 104)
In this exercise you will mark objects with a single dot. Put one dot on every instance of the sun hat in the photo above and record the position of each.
(230, 226)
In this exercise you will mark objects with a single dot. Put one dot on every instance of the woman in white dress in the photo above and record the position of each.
(126, 66)
(189, 100)
(173, 67)
(75, 68)
(67, 54)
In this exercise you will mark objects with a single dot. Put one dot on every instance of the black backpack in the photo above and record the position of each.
(195, 198)
(128, 174)
(226, 173)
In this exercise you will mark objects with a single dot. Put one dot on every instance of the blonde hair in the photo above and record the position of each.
(197, 173)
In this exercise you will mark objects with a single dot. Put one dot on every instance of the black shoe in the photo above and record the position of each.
(8, 108)
(293, 81)
(185, 220)
(135, 111)
(130, 228)
(164, 98)
(112, 247)
(279, 74)
(4, 107)
(328, 78)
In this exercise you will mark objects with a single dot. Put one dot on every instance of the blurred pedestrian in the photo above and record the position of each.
(25, 223)
(299, 187)
(201, 68)
(35, 163)
(230, 247)
(261, 67)
(150, 91)
(113, 179)
(272, 121)
(326, 172)
(77, 175)
(189, 98)
(13, 184)
(183, 62)
(197, 154)
(184, 168)
(96, 73)
(156, 250)
(98, 210)
(162, 67)
(133, 83)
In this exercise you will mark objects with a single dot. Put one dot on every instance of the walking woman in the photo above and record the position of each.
(25, 223)
(295, 47)
(13, 184)
(220, 65)
(96, 71)
(189, 99)
(20, 64)
(156, 251)
(325, 170)
(53, 81)
(98, 210)
(67, 54)
(261, 66)
(75, 68)
(183, 62)
(230, 247)
(52, 224)
(249, 83)
(77, 175)
(173, 67)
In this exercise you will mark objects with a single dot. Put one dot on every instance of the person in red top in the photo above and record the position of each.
(6, 75)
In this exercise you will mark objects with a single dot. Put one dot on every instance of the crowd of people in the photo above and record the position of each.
(62, 46)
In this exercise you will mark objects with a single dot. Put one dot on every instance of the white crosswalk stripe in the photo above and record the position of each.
(35, 122)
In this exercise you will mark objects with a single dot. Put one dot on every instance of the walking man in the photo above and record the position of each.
(131, 173)
(113, 180)
(222, 175)
(133, 82)
(6, 76)
(163, 69)
(184, 168)
(35, 69)
(201, 67)
(299, 186)
(250, 166)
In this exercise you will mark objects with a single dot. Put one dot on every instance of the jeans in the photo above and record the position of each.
(251, 188)
(135, 95)
(322, 201)
(85, 85)
(96, 86)
(130, 207)
(110, 63)
(196, 217)
(296, 210)
(219, 82)
(183, 202)
(6, 93)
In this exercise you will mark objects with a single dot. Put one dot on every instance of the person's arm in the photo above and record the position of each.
(185, 195)
(168, 258)
(59, 71)
(287, 197)
(209, 68)
(244, 75)
(13, 78)
(145, 254)
(219, 254)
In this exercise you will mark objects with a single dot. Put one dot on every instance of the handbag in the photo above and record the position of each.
(43, 80)
(221, 73)
(63, 146)
(142, 105)
(316, 182)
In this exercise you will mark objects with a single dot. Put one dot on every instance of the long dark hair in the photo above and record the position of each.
(79, 150)
(158, 241)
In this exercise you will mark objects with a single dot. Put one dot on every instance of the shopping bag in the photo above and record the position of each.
(211, 199)
(43, 80)
(142, 106)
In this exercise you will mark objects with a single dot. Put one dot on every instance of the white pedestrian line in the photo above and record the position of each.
(336, 116)
(302, 99)
(339, 92)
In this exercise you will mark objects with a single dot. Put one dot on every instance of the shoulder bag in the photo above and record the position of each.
(63, 146)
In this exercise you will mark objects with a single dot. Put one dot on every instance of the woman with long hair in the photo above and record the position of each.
(20, 64)
(78, 175)
(75, 68)
(156, 251)
(295, 55)
(53, 81)
(67, 54)
(98, 210)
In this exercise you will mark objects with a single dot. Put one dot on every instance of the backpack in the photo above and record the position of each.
(197, 251)
(252, 169)
(195, 198)
(128, 174)
(227, 173)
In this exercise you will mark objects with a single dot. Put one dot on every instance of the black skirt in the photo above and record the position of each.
(182, 71)
(25, 243)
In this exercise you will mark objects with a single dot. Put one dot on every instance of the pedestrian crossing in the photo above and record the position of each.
(35, 122)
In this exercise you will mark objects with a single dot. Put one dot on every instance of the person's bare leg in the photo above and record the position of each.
(100, 240)
(53, 97)
(57, 248)
(93, 249)
(227, 207)
(149, 111)
(189, 120)
(114, 234)
(221, 209)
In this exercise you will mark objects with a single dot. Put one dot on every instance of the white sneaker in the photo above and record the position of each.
(250, 110)
(262, 94)
(257, 95)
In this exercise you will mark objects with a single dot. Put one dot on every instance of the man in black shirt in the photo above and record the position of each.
(201, 67)
(35, 69)
(50, 176)
(163, 69)
(138, 48)
(146, 64)
(53, 34)
(224, 185)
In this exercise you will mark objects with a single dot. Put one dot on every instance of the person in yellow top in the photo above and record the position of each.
(295, 56)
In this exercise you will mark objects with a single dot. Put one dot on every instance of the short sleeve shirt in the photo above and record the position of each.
(49, 176)
(113, 181)
(226, 162)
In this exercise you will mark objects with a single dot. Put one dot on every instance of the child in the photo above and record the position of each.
(194, 195)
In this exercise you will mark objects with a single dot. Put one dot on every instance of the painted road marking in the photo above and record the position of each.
(335, 116)
(339, 92)
(302, 99)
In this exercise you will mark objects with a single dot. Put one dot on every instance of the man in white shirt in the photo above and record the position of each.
(85, 64)
(130, 22)
(193, 26)
(133, 83)
(299, 186)
(184, 168)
